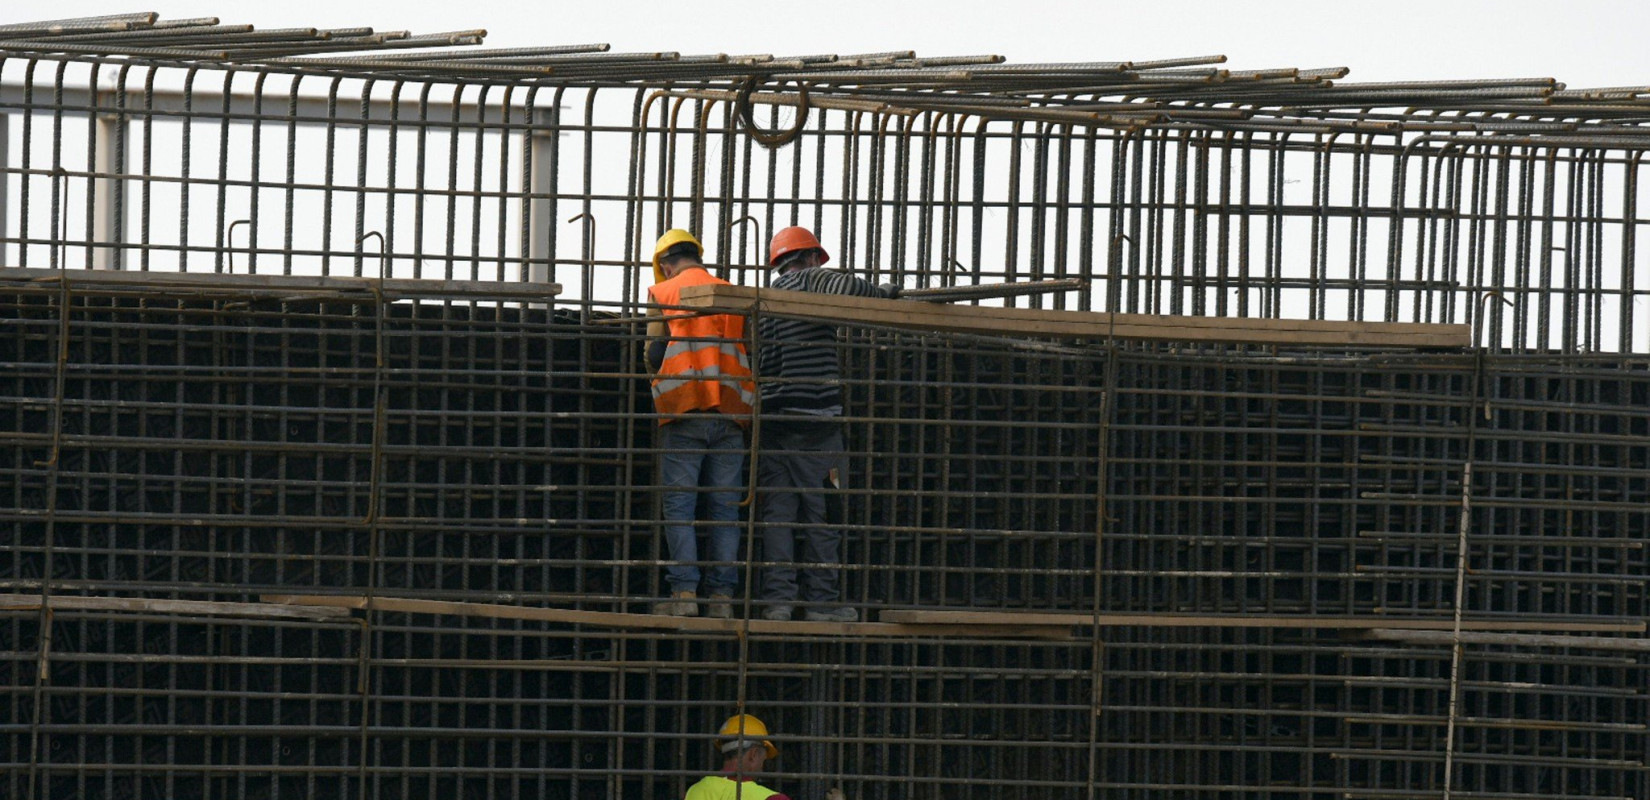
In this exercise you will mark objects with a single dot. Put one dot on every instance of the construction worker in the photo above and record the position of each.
(703, 394)
(743, 743)
(802, 444)
(744, 747)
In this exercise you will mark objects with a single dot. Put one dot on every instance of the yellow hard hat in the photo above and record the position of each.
(672, 237)
(744, 728)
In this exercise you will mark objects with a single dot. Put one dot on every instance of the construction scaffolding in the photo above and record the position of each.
(330, 465)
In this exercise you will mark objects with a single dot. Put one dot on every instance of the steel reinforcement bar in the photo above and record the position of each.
(340, 479)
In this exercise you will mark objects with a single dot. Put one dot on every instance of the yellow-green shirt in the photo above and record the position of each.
(716, 787)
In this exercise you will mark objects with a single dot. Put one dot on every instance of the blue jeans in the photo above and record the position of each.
(702, 450)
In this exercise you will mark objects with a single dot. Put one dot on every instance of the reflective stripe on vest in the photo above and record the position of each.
(705, 367)
(716, 787)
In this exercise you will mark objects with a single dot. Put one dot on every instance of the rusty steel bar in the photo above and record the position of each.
(263, 416)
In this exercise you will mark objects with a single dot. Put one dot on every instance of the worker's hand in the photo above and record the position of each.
(835, 793)
(890, 291)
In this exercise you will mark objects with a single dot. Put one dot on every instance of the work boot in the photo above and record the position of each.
(777, 613)
(680, 604)
(843, 614)
(719, 606)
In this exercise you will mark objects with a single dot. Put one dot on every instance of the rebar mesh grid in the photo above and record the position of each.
(191, 452)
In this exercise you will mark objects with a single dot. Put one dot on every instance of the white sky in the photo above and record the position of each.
(1581, 42)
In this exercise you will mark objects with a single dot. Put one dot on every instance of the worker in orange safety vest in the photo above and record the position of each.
(703, 393)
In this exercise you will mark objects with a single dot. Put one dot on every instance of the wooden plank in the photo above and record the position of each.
(612, 619)
(1365, 622)
(1074, 324)
(1619, 643)
(207, 608)
(211, 283)
(1071, 323)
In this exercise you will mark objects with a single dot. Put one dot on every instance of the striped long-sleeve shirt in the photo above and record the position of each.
(797, 358)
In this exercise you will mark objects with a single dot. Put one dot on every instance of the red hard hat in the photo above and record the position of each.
(791, 240)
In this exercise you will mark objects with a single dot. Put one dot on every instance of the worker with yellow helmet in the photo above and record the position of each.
(703, 393)
(744, 746)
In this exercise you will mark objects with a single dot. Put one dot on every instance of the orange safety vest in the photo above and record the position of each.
(705, 366)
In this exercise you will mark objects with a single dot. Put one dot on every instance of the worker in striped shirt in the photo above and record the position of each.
(801, 437)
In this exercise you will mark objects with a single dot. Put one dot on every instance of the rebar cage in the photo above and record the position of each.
(331, 464)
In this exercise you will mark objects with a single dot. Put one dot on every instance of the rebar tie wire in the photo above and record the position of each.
(1457, 649)
(747, 115)
(53, 466)
(374, 490)
(753, 316)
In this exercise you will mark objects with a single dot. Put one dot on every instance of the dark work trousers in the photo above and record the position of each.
(797, 463)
